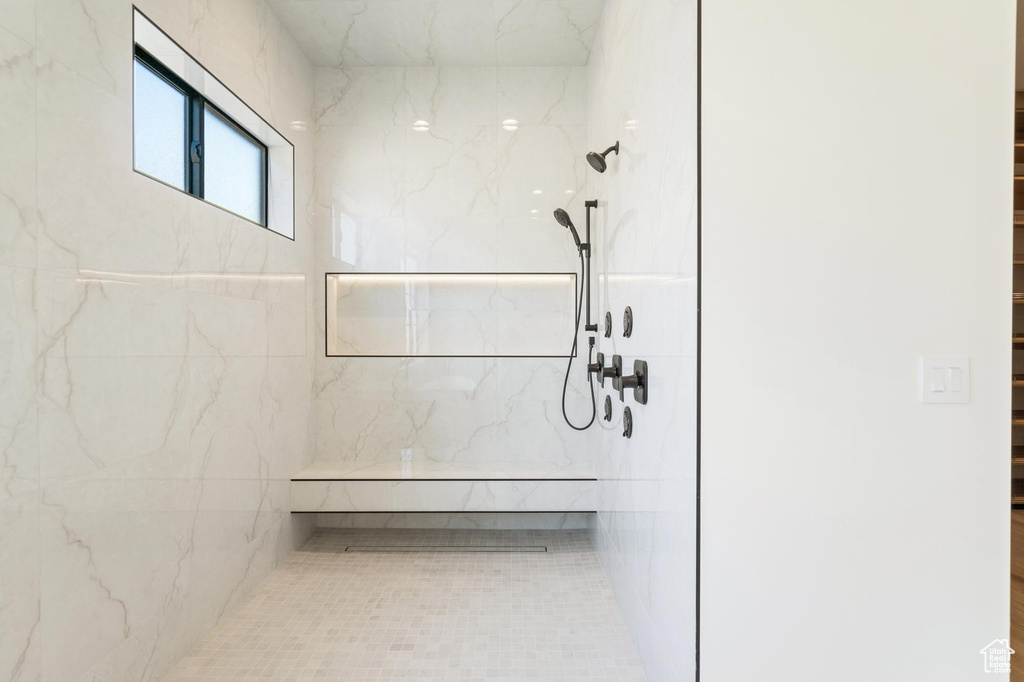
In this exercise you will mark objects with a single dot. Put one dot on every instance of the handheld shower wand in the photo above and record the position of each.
(563, 219)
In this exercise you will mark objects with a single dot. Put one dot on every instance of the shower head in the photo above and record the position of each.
(563, 219)
(597, 159)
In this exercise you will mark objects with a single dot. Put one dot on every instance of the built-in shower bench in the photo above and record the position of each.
(443, 487)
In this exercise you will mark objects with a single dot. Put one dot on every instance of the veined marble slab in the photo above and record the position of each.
(444, 487)
(479, 495)
(429, 470)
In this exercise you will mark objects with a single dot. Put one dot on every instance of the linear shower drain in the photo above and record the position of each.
(445, 548)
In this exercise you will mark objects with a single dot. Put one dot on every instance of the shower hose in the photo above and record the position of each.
(572, 354)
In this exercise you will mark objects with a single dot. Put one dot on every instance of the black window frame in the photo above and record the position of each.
(195, 167)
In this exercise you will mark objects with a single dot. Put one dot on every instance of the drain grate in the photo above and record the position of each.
(446, 548)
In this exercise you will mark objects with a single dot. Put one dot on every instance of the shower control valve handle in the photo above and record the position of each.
(637, 382)
(602, 371)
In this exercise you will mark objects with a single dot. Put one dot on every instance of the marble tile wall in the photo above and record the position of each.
(443, 32)
(155, 352)
(642, 92)
(472, 192)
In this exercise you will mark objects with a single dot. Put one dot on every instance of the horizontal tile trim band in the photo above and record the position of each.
(448, 548)
(461, 512)
(414, 355)
(560, 275)
(432, 480)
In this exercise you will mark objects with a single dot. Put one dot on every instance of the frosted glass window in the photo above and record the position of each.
(160, 124)
(233, 168)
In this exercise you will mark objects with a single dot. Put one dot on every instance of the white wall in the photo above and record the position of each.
(642, 81)
(155, 361)
(856, 215)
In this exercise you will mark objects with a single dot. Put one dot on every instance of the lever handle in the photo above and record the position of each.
(609, 373)
(637, 382)
(601, 371)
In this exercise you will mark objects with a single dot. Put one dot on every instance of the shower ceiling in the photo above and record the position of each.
(443, 32)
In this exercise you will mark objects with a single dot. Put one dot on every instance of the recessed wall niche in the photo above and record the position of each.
(450, 314)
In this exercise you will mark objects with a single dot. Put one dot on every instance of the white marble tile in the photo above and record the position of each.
(452, 95)
(443, 496)
(370, 430)
(645, 234)
(340, 496)
(228, 401)
(19, 422)
(227, 255)
(522, 468)
(457, 431)
(19, 17)
(449, 214)
(442, 32)
(112, 555)
(17, 136)
(82, 397)
(286, 315)
(494, 496)
(324, 30)
(450, 172)
(291, 91)
(536, 428)
(83, 221)
(449, 379)
(450, 244)
(540, 32)
(96, 315)
(542, 95)
(459, 33)
(545, 159)
(224, 326)
(417, 32)
(231, 513)
(89, 37)
(373, 96)
(230, 574)
(20, 631)
(360, 177)
(132, 278)
(522, 379)
(230, 40)
(289, 415)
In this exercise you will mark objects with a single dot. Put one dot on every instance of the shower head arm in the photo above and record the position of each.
(613, 148)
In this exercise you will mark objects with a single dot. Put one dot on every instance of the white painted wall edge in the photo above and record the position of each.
(856, 212)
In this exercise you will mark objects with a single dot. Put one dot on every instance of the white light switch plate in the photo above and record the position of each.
(945, 379)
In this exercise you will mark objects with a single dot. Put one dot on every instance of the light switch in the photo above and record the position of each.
(955, 379)
(945, 379)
